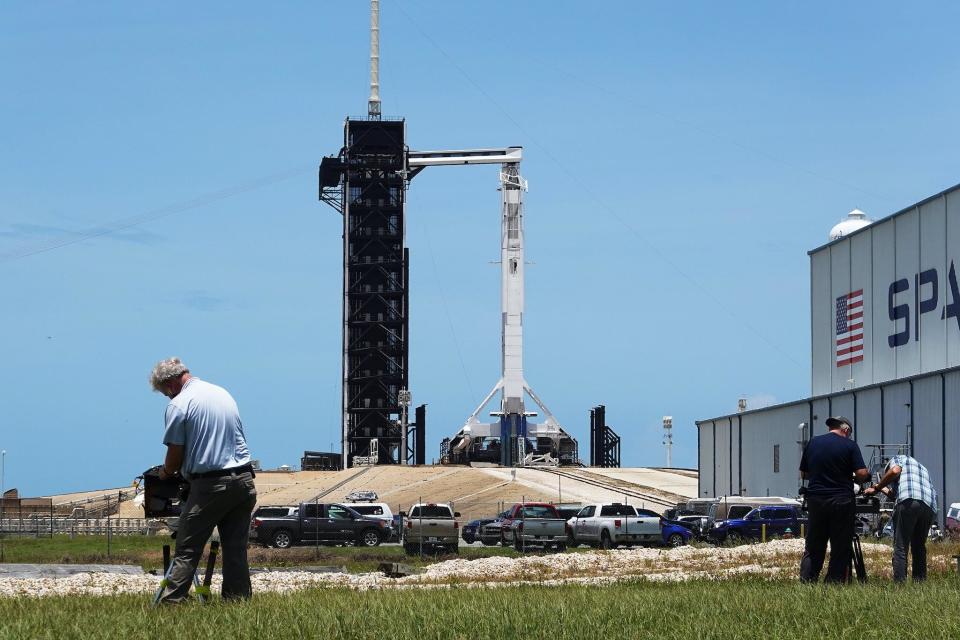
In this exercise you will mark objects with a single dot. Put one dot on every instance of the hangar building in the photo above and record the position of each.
(885, 350)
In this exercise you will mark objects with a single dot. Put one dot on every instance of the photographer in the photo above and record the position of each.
(831, 463)
(206, 444)
(913, 512)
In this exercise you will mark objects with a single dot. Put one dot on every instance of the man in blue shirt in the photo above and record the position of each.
(830, 463)
(206, 444)
(915, 508)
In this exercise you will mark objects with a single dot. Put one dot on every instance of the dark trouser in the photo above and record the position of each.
(225, 503)
(831, 518)
(911, 524)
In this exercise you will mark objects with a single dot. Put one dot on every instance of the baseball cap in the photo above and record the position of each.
(838, 421)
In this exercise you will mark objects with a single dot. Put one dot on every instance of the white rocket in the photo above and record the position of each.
(512, 425)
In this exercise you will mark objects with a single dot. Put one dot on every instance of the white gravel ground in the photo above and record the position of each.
(594, 567)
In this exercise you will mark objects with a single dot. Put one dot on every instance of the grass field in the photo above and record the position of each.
(147, 552)
(743, 607)
(749, 608)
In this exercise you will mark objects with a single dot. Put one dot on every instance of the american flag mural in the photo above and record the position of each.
(850, 328)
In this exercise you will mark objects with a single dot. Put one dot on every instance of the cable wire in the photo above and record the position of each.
(605, 207)
(446, 309)
(154, 214)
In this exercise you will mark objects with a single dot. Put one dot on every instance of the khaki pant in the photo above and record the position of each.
(225, 503)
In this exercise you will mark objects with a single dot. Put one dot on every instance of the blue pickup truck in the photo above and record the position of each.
(780, 520)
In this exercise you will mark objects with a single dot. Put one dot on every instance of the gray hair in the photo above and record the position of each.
(167, 370)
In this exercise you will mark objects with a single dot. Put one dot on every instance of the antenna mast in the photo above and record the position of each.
(373, 104)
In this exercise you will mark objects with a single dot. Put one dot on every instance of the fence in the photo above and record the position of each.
(36, 525)
(36, 517)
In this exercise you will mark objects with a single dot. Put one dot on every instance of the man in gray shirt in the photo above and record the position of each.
(206, 444)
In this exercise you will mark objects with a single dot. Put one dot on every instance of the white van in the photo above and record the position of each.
(379, 510)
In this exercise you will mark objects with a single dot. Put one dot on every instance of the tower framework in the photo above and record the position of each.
(366, 183)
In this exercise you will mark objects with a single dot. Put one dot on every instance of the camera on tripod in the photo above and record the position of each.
(163, 497)
(867, 504)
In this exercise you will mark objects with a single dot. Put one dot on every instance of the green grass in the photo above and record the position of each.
(83, 549)
(147, 552)
(735, 609)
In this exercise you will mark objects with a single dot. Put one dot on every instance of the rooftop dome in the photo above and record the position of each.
(856, 219)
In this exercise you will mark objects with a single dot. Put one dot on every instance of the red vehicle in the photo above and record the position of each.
(952, 521)
(533, 524)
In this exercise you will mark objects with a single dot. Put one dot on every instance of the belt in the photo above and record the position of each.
(219, 473)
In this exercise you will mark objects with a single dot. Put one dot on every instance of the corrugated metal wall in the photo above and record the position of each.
(951, 438)
(762, 431)
(721, 468)
(737, 452)
(736, 448)
(927, 421)
(821, 411)
(902, 264)
(705, 466)
(868, 420)
(896, 413)
(843, 405)
(821, 333)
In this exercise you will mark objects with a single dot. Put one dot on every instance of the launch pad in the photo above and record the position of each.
(366, 183)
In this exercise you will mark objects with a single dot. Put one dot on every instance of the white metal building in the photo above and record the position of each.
(885, 349)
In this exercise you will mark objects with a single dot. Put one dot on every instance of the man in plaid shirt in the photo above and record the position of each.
(914, 511)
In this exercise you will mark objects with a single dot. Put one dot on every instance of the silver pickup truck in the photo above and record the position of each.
(430, 527)
(609, 525)
(535, 525)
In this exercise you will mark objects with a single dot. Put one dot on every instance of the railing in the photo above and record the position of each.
(37, 525)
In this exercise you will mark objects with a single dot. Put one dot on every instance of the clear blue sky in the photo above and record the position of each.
(158, 197)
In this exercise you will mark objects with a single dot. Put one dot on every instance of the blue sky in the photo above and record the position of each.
(158, 197)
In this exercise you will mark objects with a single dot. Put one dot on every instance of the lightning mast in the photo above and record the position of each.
(373, 104)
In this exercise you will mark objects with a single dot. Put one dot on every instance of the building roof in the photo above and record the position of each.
(885, 219)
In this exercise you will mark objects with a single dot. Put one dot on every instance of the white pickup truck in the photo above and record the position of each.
(609, 525)
(431, 527)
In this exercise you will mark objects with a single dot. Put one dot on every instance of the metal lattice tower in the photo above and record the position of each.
(366, 184)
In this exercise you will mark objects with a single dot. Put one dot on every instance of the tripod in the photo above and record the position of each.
(203, 590)
(857, 565)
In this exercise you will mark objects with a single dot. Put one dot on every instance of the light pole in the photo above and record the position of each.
(668, 438)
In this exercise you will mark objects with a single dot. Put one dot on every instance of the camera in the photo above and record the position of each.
(163, 498)
(867, 504)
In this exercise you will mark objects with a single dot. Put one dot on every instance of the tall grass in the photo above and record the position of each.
(748, 608)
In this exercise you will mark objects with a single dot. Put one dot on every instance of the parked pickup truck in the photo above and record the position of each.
(315, 523)
(534, 524)
(609, 525)
(489, 533)
(430, 527)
